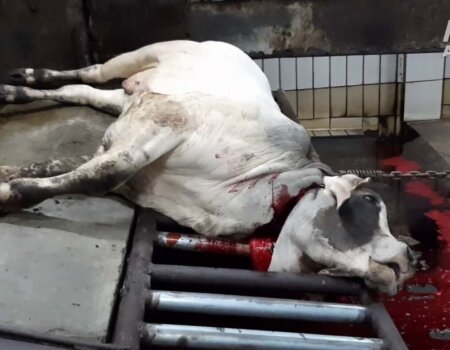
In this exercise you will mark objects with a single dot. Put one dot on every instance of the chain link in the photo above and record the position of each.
(397, 175)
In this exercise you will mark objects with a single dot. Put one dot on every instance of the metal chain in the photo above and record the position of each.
(397, 175)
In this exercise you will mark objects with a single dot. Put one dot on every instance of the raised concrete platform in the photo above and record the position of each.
(60, 262)
(437, 134)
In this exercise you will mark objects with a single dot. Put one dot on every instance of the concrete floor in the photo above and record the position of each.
(60, 262)
(437, 134)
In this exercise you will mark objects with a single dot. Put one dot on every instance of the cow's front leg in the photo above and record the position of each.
(111, 101)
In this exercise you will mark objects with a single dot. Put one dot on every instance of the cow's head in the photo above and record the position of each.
(342, 230)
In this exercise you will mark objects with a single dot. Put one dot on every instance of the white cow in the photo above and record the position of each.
(200, 139)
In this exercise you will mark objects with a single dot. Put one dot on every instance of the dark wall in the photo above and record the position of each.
(41, 33)
(323, 26)
(69, 33)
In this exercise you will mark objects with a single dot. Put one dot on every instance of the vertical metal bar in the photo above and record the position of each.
(297, 119)
(313, 90)
(330, 108)
(131, 310)
(400, 119)
(443, 87)
(346, 86)
(363, 86)
(382, 322)
(385, 327)
(379, 92)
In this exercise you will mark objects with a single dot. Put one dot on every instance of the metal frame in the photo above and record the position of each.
(242, 280)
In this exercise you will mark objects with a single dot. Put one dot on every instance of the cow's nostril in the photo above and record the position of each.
(412, 257)
(394, 266)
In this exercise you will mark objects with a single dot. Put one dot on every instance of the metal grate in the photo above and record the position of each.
(235, 301)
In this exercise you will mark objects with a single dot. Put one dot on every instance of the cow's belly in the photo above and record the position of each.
(211, 208)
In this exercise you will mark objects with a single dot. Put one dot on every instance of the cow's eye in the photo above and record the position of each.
(370, 198)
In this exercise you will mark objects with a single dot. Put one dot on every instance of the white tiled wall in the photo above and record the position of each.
(423, 100)
(424, 81)
(371, 69)
(321, 72)
(424, 74)
(388, 68)
(424, 66)
(355, 70)
(304, 73)
(287, 73)
(272, 71)
(338, 71)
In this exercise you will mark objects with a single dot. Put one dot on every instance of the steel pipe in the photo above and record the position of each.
(234, 305)
(245, 280)
(233, 338)
(202, 244)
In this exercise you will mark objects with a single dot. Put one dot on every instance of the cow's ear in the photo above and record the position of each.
(341, 187)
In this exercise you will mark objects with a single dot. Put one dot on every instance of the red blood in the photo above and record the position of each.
(423, 189)
(236, 187)
(282, 198)
(416, 315)
(399, 164)
(442, 219)
(261, 252)
(283, 202)
(172, 238)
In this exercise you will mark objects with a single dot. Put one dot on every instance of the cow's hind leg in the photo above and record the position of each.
(111, 101)
(105, 172)
(99, 175)
(42, 169)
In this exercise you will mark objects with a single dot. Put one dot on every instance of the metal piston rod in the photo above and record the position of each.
(234, 305)
(233, 338)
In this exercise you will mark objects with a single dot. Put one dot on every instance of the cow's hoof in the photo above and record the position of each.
(5, 192)
(16, 94)
(7, 94)
(22, 76)
(9, 200)
(8, 173)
